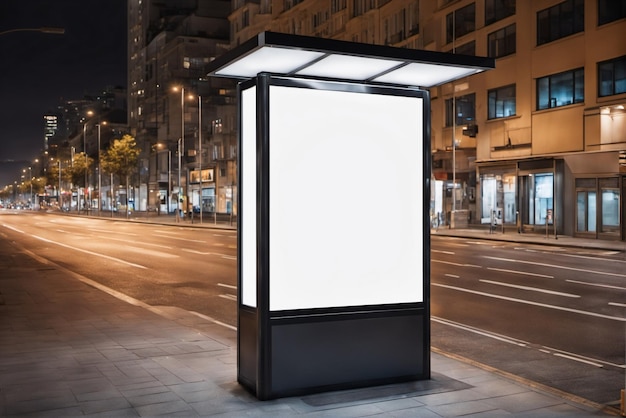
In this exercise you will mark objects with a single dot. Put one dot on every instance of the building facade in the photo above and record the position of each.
(176, 113)
(539, 143)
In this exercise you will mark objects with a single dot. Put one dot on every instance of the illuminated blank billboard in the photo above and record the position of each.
(346, 198)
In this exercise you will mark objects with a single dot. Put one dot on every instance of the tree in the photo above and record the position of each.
(80, 166)
(121, 159)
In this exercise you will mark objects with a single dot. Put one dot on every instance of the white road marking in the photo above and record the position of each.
(454, 276)
(621, 305)
(187, 250)
(226, 256)
(151, 253)
(107, 231)
(215, 321)
(577, 359)
(230, 286)
(143, 243)
(527, 302)
(90, 252)
(608, 286)
(13, 228)
(511, 260)
(443, 252)
(533, 289)
(180, 239)
(545, 276)
(493, 335)
(229, 297)
(584, 359)
(526, 344)
(454, 264)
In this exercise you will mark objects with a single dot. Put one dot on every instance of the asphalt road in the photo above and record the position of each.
(552, 315)
(162, 265)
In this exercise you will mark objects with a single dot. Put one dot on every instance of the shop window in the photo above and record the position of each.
(465, 110)
(460, 22)
(609, 190)
(612, 77)
(611, 10)
(539, 190)
(585, 211)
(561, 20)
(561, 89)
(502, 42)
(498, 194)
(501, 102)
(498, 9)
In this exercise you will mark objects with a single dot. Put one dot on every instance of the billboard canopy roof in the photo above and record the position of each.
(321, 58)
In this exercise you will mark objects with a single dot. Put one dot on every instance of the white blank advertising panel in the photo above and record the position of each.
(345, 198)
(248, 212)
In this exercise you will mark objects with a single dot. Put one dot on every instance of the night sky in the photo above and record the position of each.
(37, 70)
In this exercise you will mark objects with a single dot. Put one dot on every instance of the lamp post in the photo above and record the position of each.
(99, 170)
(181, 146)
(85, 197)
(30, 174)
(200, 152)
(59, 191)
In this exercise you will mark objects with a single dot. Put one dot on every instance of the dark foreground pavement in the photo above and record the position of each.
(70, 347)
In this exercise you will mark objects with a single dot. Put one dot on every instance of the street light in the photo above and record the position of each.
(30, 174)
(85, 197)
(181, 144)
(99, 169)
(200, 152)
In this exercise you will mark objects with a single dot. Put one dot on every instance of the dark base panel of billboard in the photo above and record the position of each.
(310, 355)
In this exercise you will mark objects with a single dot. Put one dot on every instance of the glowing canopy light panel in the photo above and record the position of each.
(294, 55)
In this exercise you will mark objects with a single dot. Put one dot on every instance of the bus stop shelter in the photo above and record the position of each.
(332, 133)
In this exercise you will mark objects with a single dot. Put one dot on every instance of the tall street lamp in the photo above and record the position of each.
(30, 176)
(181, 145)
(85, 197)
(200, 152)
(99, 169)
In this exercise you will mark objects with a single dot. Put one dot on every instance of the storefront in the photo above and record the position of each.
(575, 195)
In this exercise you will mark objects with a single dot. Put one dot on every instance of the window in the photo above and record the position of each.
(561, 20)
(540, 198)
(465, 110)
(460, 22)
(597, 205)
(609, 191)
(611, 10)
(502, 42)
(560, 89)
(501, 102)
(466, 49)
(498, 9)
(337, 5)
(612, 77)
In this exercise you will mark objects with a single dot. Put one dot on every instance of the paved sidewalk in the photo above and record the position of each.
(70, 347)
